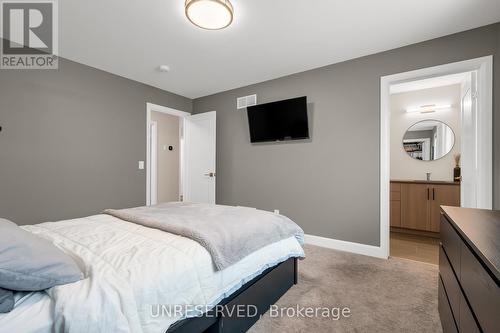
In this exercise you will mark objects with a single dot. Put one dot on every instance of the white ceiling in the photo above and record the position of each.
(268, 39)
(440, 81)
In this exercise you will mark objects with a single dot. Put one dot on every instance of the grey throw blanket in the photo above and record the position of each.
(6, 300)
(228, 233)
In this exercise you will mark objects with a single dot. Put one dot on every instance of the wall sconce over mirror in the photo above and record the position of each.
(428, 140)
(429, 108)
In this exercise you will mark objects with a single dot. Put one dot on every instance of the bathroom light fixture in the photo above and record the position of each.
(209, 14)
(428, 108)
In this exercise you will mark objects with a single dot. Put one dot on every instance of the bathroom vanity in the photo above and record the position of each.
(415, 204)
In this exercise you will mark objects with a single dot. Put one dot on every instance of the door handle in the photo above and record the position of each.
(428, 194)
(433, 193)
(210, 174)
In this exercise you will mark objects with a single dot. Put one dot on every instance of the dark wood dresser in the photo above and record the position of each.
(469, 270)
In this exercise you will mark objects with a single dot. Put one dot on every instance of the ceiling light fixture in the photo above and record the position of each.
(209, 14)
(429, 108)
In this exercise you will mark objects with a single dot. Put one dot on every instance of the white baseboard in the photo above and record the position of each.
(367, 250)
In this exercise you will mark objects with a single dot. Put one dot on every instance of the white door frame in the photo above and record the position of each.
(484, 68)
(153, 163)
(150, 107)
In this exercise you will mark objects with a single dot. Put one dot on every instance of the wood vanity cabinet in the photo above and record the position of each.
(395, 205)
(415, 206)
(418, 207)
(442, 195)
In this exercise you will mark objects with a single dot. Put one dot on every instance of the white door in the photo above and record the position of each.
(199, 158)
(484, 147)
(468, 144)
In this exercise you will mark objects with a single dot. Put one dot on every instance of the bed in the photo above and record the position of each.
(141, 279)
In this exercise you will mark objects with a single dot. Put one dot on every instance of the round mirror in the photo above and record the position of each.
(428, 140)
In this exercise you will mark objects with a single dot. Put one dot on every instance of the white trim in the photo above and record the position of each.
(385, 132)
(153, 166)
(484, 66)
(335, 244)
(163, 109)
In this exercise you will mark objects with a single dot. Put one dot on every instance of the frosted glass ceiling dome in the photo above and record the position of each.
(209, 14)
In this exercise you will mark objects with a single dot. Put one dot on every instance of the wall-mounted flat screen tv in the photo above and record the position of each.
(279, 121)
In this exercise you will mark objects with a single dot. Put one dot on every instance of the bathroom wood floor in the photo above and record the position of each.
(413, 247)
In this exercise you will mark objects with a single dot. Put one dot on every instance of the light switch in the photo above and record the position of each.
(141, 165)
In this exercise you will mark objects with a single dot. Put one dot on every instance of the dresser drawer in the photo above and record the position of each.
(451, 242)
(481, 291)
(467, 323)
(447, 321)
(450, 283)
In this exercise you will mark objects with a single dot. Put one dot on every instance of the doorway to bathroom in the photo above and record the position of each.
(436, 141)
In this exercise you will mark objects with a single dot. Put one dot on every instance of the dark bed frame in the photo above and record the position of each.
(261, 292)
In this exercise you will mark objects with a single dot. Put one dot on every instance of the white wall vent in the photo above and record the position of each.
(245, 101)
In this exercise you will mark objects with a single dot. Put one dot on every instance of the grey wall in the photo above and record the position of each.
(496, 125)
(168, 161)
(71, 141)
(330, 185)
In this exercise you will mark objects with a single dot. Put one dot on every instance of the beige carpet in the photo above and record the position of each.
(394, 295)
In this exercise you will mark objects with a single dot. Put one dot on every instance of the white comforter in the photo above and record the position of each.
(131, 269)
